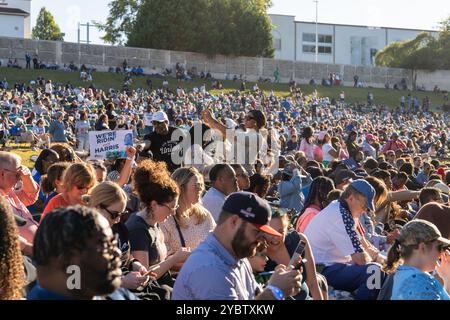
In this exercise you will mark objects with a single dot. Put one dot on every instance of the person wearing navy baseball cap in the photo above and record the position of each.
(218, 268)
(365, 189)
(251, 208)
(339, 244)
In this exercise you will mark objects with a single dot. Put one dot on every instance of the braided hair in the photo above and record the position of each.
(63, 233)
(320, 187)
(12, 276)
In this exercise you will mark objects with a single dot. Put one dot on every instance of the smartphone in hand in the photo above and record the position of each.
(296, 259)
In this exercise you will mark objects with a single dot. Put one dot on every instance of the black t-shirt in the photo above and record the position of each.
(144, 237)
(162, 145)
(124, 243)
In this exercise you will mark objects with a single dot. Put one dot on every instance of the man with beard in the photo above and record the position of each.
(163, 140)
(77, 258)
(218, 268)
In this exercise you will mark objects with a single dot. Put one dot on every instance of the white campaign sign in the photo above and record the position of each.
(109, 144)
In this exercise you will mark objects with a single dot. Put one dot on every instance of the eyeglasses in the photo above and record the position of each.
(16, 172)
(249, 117)
(174, 209)
(260, 254)
(114, 214)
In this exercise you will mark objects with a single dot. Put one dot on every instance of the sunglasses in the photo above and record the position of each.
(443, 247)
(114, 214)
(83, 187)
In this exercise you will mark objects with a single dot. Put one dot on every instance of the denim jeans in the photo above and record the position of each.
(349, 277)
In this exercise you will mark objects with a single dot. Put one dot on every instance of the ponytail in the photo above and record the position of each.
(393, 258)
(47, 186)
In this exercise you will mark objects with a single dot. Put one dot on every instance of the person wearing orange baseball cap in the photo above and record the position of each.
(218, 268)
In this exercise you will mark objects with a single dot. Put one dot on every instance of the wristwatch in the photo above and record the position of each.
(277, 293)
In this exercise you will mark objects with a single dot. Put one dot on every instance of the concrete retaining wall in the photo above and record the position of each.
(102, 57)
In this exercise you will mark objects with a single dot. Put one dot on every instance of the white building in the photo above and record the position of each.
(15, 18)
(337, 43)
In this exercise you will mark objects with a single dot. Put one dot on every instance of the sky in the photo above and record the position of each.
(414, 14)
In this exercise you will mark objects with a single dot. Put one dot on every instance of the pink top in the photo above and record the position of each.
(306, 217)
(308, 149)
(394, 145)
(318, 154)
(19, 200)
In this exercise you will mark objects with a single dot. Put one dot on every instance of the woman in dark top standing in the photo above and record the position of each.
(102, 123)
(111, 114)
(158, 193)
(352, 146)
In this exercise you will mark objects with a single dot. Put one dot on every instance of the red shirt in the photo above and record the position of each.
(56, 202)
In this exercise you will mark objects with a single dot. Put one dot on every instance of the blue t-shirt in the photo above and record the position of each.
(39, 293)
(411, 283)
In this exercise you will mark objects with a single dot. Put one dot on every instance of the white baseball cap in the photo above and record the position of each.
(160, 116)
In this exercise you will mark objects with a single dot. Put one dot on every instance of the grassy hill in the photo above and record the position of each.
(105, 80)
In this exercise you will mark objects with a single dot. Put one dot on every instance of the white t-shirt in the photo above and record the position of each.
(148, 116)
(248, 146)
(328, 238)
(48, 88)
(325, 149)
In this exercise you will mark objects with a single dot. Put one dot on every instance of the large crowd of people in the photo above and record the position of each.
(241, 195)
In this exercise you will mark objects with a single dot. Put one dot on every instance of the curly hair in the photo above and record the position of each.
(64, 232)
(65, 152)
(12, 274)
(152, 182)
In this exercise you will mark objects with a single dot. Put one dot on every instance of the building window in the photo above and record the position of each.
(321, 49)
(323, 38)
(277, 44)
(309, 49)
(309, 37)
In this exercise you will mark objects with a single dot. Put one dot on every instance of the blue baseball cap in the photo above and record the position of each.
(363, 187)
(251, 208)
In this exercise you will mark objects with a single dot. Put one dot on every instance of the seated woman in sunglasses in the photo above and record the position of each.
(110, 201)
(78, 180)
(423, 250)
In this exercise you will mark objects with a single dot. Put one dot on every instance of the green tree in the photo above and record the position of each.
(46, 27)
(228, 27)
(122, 14)
(417, 54)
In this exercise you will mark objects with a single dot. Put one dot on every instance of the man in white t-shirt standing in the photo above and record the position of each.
(337, 241)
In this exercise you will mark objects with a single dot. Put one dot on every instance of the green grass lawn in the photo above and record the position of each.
(25, 153)
(105, 80)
